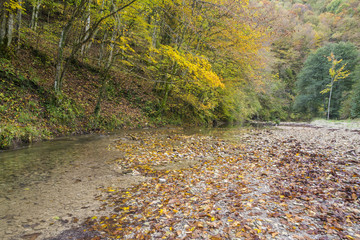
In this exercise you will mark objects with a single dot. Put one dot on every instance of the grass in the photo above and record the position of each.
(346, 124)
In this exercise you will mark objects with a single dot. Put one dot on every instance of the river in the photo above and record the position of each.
(43, 185)
(49, 188)
(46, 185)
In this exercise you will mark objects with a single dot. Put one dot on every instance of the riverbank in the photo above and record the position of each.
(31, 111)
(136, 177)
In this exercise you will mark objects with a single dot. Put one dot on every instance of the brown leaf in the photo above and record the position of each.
(354, 196)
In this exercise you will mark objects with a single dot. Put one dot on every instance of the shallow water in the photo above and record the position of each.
(59, 179)
(31, 164)
(50, 180)
(39, 161)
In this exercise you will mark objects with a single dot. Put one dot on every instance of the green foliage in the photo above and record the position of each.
(355, 94)
(63, 111)
(12, 134)
(6, 67)
(203, 61)
(272, 100)
(314, 77)
(110, 123)
(345, 109)
(335, 6)
(238, 103)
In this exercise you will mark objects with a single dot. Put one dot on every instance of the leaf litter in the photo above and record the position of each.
(281, 183)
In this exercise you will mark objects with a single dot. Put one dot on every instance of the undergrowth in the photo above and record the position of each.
(31, 111)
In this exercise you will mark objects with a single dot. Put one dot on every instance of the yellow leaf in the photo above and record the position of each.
(258, 230)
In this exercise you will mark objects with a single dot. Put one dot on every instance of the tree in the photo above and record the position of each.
(35, 13)
(8, 10)
(355, 94)
(314, 77)
(85, 36)
(202, 52)
(336, 74)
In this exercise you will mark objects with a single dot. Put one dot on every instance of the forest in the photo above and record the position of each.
(77, 66)
(180, 119)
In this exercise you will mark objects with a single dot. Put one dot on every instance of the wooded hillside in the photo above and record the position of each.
(80, 65)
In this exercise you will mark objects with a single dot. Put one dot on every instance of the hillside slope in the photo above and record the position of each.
(30, 110)
(79, 66)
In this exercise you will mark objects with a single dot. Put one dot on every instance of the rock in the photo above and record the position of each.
(31, 236)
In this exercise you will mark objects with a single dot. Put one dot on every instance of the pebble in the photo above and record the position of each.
(38, 228)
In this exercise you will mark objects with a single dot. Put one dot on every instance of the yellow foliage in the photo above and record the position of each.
(12, 6)
(198, 68)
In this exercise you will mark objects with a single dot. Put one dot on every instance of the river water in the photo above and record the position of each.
(34, 163)
(47, 185)
(42, 184)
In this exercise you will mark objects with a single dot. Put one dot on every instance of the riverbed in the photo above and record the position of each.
(46, 186)
(51, 187)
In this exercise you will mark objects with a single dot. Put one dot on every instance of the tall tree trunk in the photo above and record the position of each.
(60, 69)
(107, 67)
(60, 57)
(167, 84)
(87, 28)
(101, 92)
(6, 28)
(96, 31)
(2, 28)
(102, 48)
(10, 29)
(35, 15)
(60, 66)
(328, 108)
(18, 24)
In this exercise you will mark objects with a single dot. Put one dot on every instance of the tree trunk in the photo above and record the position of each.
(331, 88)
(35, 15)
(60, 66)
(101, 94)
(96, 31)
(102, 48)
(60, 69)
(107, 67)
(167, 87)
(87, 28)
(60, 58)
(10, 29)
(18, 24)
(2, 28)
(6, 28)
